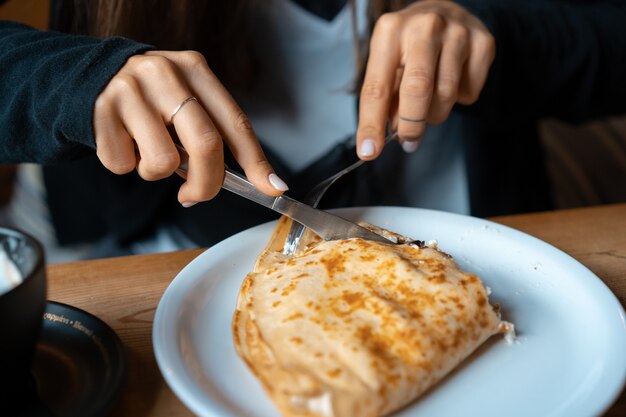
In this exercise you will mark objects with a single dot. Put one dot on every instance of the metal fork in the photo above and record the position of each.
(313, 198)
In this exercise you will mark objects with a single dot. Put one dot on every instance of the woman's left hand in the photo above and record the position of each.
(422, 60)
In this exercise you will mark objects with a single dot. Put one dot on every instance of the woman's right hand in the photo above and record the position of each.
(132, 113)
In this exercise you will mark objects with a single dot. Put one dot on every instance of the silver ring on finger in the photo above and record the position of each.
(180, 106)
(408, 119)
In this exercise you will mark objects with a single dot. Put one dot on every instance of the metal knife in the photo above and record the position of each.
(328, 226)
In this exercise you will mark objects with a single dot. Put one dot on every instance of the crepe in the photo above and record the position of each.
(355, 328)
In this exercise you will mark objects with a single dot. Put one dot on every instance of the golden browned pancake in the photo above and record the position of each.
(356, 328)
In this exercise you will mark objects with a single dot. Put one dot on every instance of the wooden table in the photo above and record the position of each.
(124, 292)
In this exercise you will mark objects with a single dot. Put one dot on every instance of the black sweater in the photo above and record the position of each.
(564, 59)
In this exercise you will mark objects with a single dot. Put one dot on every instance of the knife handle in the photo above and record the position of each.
(233, 182)
(238, 184)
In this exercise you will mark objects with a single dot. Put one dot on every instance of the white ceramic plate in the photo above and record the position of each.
(569, 360)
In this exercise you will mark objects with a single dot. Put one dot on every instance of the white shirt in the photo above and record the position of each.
(303, 101)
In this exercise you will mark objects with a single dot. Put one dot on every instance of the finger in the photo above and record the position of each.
(114, 146)
(482, 51)
(393, 114)
(174, 100)
(416, 87)
(231, 122)
(240, 138)
(454, 53)
(393, 105)
(158, 157)
(377, 89)
(204, 146)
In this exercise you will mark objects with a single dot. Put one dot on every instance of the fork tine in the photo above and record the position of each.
(313, 198)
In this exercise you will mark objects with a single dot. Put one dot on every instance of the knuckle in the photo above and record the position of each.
(117, 165)
(242, 124)
(165, 163)
(148, 173)
(208, 143)
(387, 22)
(374, 90)
(194, 59)
(459, 36)
(122, 83)
(121, 167)
(428, 23)
(102, 105)
(155, 64)
(263, 164)
(447, 88)
(159, 166)
(417, 82)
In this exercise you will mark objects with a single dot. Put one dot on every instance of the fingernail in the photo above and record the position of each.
(410, 146)
(367, 147)
(277, 183)
(188, 204)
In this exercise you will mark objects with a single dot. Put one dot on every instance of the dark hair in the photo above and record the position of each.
(202, 25)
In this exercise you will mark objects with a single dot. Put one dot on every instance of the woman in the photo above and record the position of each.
(424, 58)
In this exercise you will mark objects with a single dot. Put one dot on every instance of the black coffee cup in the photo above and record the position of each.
(21, 317)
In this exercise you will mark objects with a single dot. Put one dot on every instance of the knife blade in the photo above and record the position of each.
(328, 226)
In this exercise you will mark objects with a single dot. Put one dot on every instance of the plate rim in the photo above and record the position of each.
(189, 400)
